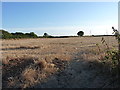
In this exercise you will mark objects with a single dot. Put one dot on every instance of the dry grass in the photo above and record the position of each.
(27, 62)
(27, 70)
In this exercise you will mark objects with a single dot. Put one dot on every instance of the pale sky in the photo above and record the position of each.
(60, 18)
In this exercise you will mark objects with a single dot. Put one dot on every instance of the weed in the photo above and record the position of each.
(112, 57)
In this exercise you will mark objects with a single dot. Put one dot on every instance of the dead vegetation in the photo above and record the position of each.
(36, 61)
(28, 71)
(21, 47)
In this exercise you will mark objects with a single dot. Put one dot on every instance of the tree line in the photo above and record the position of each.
(6, 35)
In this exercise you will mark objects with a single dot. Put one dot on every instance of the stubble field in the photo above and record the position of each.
(55, 63)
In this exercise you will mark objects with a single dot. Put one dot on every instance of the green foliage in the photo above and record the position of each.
(30, 35)
(80, 33)
(112, 56)
(6, 35)
(47, 36)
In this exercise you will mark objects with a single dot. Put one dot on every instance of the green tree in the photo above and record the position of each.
(5, 35)
(80, 33)
(32, 34)
(45, 35)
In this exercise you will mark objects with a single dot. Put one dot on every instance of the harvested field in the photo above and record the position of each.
(56, 63)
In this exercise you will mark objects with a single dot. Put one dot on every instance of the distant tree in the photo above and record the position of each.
(32, 34)
(45, 35)
(18, 33)
(80, 33)
(27, 34)
(5, 34)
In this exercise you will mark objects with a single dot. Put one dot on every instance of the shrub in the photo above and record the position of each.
(113, 56)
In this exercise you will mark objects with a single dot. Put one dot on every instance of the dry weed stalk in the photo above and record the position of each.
(117, 35)
(112, 57)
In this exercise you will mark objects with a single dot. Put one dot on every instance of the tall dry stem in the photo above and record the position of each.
(117, 35)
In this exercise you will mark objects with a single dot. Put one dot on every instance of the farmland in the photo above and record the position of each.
(56, 62)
